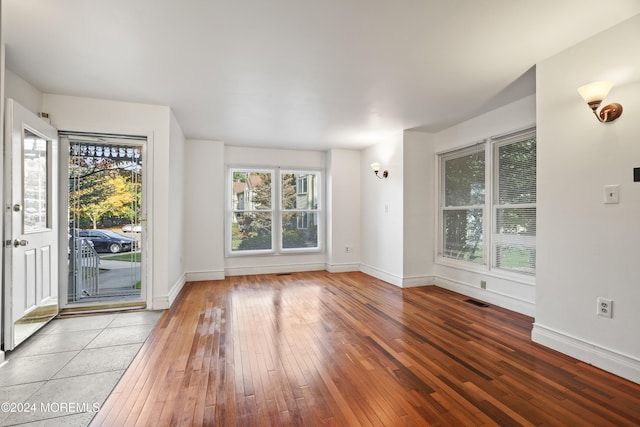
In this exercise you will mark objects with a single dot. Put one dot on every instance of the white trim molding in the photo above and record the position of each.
(505, 301)
(417, 281)
(160, 303)
(401, 282)
(273, 269)
(201, 276)
(175, 290)
(617, 363)
(342, 267)
(381, 274)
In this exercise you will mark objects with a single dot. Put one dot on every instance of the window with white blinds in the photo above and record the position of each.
(514, 202)
(488, 203)
(463, 204)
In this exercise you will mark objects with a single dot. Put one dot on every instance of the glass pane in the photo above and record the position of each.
(516, 221)
(515, 239)
(105, 224)
(517, 172)
(299, 191)
(518, 258)
(464, 180)
(300, 230)
(251, 231)
(463, 235)
(251, 190)
(35, 184)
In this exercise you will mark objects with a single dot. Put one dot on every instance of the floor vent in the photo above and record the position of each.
(283, 274)
(475, 302)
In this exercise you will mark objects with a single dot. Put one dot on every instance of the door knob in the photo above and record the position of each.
(17, 243)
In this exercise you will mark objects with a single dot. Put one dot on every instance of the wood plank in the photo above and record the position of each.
(344, 349)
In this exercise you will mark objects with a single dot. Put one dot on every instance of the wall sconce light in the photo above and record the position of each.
(593, 94)
(376, 169)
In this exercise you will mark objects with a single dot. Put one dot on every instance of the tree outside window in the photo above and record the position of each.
(252, 213)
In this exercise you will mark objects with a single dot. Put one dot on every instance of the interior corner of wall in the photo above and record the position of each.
(174, 291)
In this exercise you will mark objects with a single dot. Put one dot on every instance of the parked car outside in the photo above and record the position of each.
(132, 228)
(108, 241)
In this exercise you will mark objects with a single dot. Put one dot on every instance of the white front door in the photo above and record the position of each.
(31, 224)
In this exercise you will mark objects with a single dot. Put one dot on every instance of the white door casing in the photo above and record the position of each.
(31, 224)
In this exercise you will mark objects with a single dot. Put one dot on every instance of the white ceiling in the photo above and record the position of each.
(305, 74)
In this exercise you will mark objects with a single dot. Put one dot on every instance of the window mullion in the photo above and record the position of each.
(276, 204)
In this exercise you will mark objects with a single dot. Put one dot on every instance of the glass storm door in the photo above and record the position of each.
(106, 230)
(31, 224)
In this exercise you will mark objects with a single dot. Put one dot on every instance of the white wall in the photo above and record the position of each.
(343, 207)
(512, 292)
(382, 214)
(97, 115)
(23, 92)
(419, 209)
(2, 101)
(240, 156)
(176, 207)
(204, 197)
(587, 249)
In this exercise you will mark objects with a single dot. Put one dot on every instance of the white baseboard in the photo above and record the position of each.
(176, 288)
(164, 302)
(160, 303)
(401, 282)
(342, 268)
(622, 365)
(501, 300)
(200, 276)
(1, 357)
(417, 281)
(273, 269)
(381, 274)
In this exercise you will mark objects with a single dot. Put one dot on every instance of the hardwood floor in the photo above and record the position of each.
(348, 350)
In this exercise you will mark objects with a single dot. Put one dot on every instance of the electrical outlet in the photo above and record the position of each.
(483, 284)
(348, 249)
(605, 307)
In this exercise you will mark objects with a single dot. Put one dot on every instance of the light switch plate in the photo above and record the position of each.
(611, 194)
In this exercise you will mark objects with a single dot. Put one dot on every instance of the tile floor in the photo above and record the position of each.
(63, 374)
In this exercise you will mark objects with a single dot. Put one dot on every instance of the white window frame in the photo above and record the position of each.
(490, 207)
(442, 158)
(317, 210)
(497, 238)
(230, 211)
(277, 211)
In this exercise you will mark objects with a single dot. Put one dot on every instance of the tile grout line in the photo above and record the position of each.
(149, 322)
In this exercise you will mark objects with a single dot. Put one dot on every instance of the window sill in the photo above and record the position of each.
(284, 252)
(523, 279)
